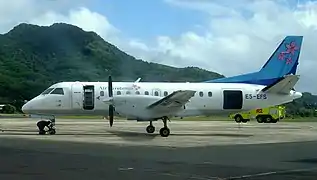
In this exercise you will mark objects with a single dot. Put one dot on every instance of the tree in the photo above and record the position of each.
(8, 109)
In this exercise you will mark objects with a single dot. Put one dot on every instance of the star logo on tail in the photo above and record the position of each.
(291, 48)
(288, 54)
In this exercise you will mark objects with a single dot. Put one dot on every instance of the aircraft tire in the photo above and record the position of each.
(150, 129)
(164, 132)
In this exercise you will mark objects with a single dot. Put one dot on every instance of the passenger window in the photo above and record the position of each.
(102, 93)
(209, 94)
(118, 92)
(137, 92)
(47, 91)
(201, 94)
(128, 92)
(58, 91)
(146, 92)
(156, 93)
(165, 93)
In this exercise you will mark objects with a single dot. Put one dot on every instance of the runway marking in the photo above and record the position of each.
(191, 176)
(188, 176)
(201, 177)
(125, 169)
(269, 173)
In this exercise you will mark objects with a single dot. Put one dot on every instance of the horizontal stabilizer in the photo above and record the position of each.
(282, 86)
(176, 99)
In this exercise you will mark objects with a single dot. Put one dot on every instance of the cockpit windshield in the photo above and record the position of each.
(47, 91)
(59, 91)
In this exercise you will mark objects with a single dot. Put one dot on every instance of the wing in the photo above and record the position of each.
(177, 99)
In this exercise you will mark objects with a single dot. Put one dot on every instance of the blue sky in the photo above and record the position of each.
(146, 19)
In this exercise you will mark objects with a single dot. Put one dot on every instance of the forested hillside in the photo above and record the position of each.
(304, 107)
(33, 57)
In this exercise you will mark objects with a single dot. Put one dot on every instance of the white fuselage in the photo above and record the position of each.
(133, 98)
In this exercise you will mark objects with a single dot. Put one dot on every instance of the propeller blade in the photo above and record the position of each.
(111, 115)
(111, 108)
(110, 86)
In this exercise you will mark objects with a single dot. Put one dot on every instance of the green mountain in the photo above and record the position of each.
(305, 106)
(34, 57)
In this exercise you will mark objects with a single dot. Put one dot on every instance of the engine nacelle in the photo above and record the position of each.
(135, 106)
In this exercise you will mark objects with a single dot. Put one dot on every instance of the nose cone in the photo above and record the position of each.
(26, 108)
(31, 106)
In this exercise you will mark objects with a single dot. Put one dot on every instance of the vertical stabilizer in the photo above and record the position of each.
(283, 61)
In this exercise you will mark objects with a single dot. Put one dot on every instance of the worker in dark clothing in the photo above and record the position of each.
(41, 125)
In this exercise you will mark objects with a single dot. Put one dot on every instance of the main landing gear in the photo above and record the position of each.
(150, 128)
(50, 124)
(164, 131)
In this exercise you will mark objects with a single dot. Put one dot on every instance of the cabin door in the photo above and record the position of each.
(232, 99)
(89, 97)
(77, 96)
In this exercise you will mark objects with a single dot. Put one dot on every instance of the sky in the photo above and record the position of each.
(229, 37)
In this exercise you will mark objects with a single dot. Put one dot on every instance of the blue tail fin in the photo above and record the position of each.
(282, 62)
(285, 58)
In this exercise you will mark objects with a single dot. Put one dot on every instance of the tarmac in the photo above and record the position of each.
(201, 150)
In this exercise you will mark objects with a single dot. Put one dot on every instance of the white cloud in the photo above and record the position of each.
(239, 38)
(17, 11)
(81, 17)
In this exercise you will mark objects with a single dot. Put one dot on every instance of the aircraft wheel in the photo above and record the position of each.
(150, 129)
(164, 132)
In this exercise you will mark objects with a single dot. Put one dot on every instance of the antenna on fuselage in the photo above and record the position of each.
(138, 80)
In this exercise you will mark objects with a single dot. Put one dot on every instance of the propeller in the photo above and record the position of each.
(111, 108)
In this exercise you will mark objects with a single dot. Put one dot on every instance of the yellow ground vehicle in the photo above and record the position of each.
(264, 115)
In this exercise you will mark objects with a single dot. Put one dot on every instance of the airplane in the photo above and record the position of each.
(152, 101)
